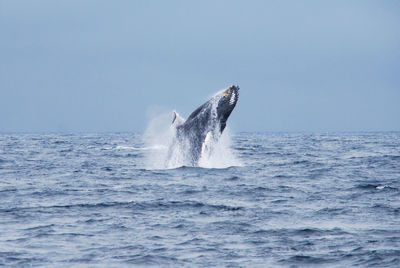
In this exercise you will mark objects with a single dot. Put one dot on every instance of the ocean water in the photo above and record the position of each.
(290, 200)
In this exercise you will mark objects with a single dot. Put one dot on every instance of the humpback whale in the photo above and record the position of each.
(195, 136)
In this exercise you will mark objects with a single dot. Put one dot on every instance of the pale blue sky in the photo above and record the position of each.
(103, 65)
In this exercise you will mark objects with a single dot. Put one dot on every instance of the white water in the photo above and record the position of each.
(163, 154)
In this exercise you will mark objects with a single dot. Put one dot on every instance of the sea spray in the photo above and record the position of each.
(222, 154)
(157, 139)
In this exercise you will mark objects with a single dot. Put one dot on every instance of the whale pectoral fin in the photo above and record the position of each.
(206, 146)
(177, 120)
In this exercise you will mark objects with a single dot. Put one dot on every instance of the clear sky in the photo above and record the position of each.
(89, 66)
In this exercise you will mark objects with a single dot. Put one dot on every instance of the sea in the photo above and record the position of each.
(265, 200)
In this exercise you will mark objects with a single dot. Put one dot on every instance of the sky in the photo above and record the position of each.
(109, 66)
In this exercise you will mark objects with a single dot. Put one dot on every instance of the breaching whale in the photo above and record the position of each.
(195, 136)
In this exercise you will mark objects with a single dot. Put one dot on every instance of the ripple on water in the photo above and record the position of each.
(298, 200)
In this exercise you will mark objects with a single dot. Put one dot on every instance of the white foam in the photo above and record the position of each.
(123, 147)
(221, 154)
(157, 138)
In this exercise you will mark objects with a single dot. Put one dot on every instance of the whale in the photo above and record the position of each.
(195, 137)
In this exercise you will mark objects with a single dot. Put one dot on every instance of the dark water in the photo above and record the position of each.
(298, 200)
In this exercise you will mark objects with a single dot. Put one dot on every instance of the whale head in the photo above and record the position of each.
(227, 101)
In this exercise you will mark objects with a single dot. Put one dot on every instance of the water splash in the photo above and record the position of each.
(221, 154)
(166, 152)
(157, 139)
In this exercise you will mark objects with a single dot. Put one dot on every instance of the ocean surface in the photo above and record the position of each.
(295, 200)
